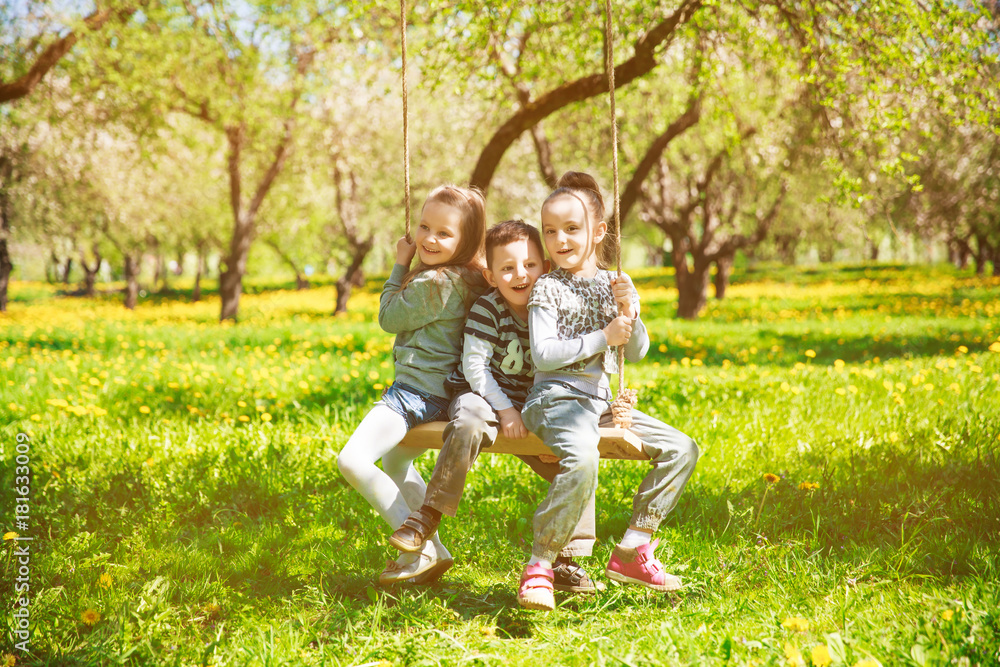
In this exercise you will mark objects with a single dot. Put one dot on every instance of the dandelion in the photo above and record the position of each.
(106, 580)
(10, 536)
(841, 391)
(144, 409)
(793, 657)
(243, 418)
(839, 364)
(265, 417)
(821, 656)
(90, 616)
(808, 486)
(868, 662)
(9, 660)
(948, 614)
(995, 347)
(811, 354)
(795, 624)
(771, 478)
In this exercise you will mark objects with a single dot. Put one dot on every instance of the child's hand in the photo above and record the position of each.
(618, 331)
(511, 424)
(405, 250)
(622, 289)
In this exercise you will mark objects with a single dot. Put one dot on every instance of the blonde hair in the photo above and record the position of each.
(585, 190)
(471, 205)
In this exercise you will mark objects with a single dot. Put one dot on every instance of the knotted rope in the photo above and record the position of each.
(621, 407)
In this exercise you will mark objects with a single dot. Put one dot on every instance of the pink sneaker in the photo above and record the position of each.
(640, 566)
(536, 588)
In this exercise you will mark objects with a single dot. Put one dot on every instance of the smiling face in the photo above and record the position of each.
(514, 268)
(438, 234)
(570, 237)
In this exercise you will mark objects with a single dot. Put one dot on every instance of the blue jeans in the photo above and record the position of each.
(414, 406)
(568, 422)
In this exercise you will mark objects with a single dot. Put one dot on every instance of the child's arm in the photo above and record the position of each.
(550, 354)
(422, 301)
(476, 357)
(626, 295)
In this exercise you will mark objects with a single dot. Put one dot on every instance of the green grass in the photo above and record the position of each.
(185, 485)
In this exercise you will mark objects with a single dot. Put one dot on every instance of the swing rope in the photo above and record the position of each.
(406, 126)
(621, 407)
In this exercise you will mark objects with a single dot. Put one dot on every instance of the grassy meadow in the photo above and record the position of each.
(186, 508)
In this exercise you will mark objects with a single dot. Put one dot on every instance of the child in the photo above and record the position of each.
(426, 308)
(574, 327)
(490, 387)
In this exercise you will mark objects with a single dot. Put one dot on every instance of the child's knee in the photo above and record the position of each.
(351, 467)
(583, 463)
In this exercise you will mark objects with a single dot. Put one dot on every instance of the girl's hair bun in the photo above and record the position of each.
(577, 180)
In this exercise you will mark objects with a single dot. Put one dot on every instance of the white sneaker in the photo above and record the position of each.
(421, 567)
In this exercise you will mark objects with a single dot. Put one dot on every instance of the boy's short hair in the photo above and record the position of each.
(509, 231)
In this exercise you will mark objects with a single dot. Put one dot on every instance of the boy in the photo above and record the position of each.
(490, 387)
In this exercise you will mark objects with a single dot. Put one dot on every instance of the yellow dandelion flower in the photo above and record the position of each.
(242, 404)
(948, 614)
(36, 418)
(144, 409)
(10, 536)
(9, 660)
(90, 616)
(821, 656)
(808, 486)
(373, 375)
(771, 478)
(840, 391)
(795, 624)
(851, 388)
(893, 437)
(868, 662)
(963, 349)
(887, 384)
(785, 386)
(265, 417)
(811, 354)
(995, 347)
(793, 657)
(954, 387)
(243, 418)
(106, 580)
(839, 364)
(303, 385)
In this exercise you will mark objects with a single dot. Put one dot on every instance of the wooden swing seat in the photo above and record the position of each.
(616, 443)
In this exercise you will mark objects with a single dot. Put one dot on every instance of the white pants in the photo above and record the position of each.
(397, 489)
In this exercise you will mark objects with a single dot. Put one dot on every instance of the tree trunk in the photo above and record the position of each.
(996, 260)
(131, 281)
(786, 244)
(353, 277)
(231, 280)
(692, 285)
(67, 267)
(982, 255)
(90, 273)
(872, 251)
(724, 268)
(199, 268)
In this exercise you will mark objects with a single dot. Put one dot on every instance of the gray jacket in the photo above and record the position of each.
(428, 317)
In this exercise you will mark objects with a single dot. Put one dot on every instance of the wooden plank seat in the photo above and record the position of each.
(616, 443)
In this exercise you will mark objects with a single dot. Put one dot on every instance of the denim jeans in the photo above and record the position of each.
(473, 426)
(414, 406)
(568, 422)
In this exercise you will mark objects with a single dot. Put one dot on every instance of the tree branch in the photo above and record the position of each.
(54, 52)
(583, 88)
